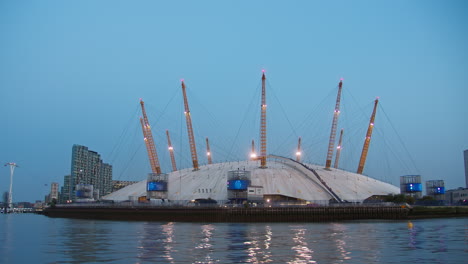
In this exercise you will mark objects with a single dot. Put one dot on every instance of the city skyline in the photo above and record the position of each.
(73, 73)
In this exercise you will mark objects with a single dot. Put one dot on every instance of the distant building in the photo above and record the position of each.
(24, 205)
(117, 185)
(411, 185)
(457, 196)
(88, 168)
(465, 154)
(5, 197)
(65, 191)
(54, 191)
(436, 189)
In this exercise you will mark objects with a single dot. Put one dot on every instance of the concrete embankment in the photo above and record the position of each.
(230, 214)
(419, 212)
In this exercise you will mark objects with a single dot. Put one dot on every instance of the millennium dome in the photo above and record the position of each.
(264, 178)
(282, 179)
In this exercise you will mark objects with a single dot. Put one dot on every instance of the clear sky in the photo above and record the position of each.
(72, 72)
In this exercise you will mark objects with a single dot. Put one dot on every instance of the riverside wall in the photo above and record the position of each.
(230, 214)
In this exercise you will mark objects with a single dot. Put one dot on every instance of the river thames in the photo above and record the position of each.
(30, 238)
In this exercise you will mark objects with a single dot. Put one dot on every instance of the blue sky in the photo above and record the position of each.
(72, 72)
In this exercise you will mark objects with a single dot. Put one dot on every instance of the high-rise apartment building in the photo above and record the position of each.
(465, 154)
(54, 191)
(87, 168)
(65, 191)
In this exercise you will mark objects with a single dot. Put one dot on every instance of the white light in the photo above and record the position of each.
(170, 148)
(298, 153)
(208, 153)
(253, 155)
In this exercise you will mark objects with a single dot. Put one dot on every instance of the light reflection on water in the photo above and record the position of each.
(303, 253)
(56, 240)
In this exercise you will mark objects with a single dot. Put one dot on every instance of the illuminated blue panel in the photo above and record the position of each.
(80, 194)
(238, 184)
(439, 190)
(156, 186)
(413, 187)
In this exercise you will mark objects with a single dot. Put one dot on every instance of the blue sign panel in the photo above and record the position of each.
(156, 186)
(439, 190)
(238, 184)
(413, 187)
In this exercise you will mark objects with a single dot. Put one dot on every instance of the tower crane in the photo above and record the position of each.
(367, 140)
(208, 152)
(148, 137)
(171, 151)
(336, 113)
(188, 118)
(263, 131)
(338, 150)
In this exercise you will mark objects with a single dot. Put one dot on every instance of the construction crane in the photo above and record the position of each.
(193, 149)
(253, 155)
(148, 137)
(263, 139)
(365, 148)
(336, 113)
(298, 153)
(338, 150)
(171, 151)
(208, 152)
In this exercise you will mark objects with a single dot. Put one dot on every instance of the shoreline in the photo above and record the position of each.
(254, 214)
(423, 212)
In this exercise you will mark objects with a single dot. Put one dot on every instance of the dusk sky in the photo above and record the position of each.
(72, 72)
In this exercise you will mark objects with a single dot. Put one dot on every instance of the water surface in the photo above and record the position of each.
(29, 238)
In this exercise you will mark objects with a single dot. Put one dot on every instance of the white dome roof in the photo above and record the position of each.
(281, 177)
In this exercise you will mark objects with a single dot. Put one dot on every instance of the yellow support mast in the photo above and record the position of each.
(208, 152)
(171, 151)
(253, 154)
(338, 150)
(188, 118)
(336, 114)
(298, 153)
(148, 136)
(263, 131)
(365, 148)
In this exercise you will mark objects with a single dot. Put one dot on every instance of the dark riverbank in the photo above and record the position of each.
(419, 212)
(262, 214)
(229, 214)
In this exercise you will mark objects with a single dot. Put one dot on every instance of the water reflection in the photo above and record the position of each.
(411, 235)
(236, 236)
(303, 253)
(168, 231)
(156, 242)
(442, 238)
(338, 235)
(56, 240)
(87, 241)
(204, 248)
(6, 237)
(255, 241)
